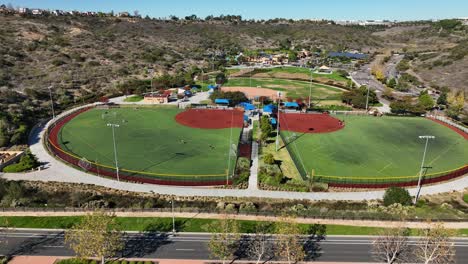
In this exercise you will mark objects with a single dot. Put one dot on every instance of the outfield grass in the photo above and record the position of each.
(294, 89)
(369, 147)
(306, 71)
(133, 98)
(182, 225)
(148, 140)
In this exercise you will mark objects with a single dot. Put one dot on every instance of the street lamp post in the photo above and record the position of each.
(173, 217)
(113, 126)
(422, 165)
(51, 101)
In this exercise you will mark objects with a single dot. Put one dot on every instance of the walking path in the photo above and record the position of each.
(253, 178)
(56, 171)
(196, 215)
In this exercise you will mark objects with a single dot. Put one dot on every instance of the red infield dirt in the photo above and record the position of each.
(210, 118)
(252, 92)
(310, 123)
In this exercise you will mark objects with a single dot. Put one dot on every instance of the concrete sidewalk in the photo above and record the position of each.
(51, 260)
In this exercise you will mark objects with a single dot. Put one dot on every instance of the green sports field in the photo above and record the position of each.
(293, 88)
(149, 140)
(368, 148)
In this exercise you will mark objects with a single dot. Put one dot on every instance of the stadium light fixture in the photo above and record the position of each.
(51, 101)
(113, 126)
(426, 137)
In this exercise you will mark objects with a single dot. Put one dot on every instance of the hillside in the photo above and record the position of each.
(82, 58)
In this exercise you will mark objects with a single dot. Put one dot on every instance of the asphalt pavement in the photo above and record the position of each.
(156, 245)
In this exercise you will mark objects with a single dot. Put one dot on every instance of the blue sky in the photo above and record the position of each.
(261, 9)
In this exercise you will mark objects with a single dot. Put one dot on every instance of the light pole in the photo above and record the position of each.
(229, 149)
(51, 101)
(115, 148)
(367, 98)
(151, 71)
(422, 166)
(310, 86)
(278, 122)
(173, 217)
(250, 78)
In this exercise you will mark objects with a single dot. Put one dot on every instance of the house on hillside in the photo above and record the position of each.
(37, 12)
(124, 14)
(24, 10)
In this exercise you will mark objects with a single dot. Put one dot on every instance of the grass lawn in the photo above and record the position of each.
(370, 147)
(149, 140)
(133, 98)
(306, 71)
(294, 89)
(182, 225)
(287, 165)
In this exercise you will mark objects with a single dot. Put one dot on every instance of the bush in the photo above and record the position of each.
(319, 187)
(28, 161)
(269, 159)
(396, 195)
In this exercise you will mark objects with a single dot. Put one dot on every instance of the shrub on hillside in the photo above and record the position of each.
(28, 161)
(396, 195)
(269, 159)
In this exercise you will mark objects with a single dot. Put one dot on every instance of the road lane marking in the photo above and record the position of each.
(185, 249)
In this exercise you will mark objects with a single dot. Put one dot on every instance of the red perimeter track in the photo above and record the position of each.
(210, 118)
(459, 131)
(58, 152)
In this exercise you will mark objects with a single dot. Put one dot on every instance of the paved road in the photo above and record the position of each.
(390, 67)
(194, 246)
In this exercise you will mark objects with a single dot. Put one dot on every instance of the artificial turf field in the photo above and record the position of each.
(149, 140)
(369, 147)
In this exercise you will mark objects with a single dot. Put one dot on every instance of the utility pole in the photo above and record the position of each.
(51, 101)
(422, 165)
(115, 148)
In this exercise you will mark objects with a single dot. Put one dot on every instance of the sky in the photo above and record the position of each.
(264, 9)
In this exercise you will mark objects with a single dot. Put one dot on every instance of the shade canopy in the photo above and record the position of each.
(269, 108)
(247, 106)
(291, 104)
(221, 101)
